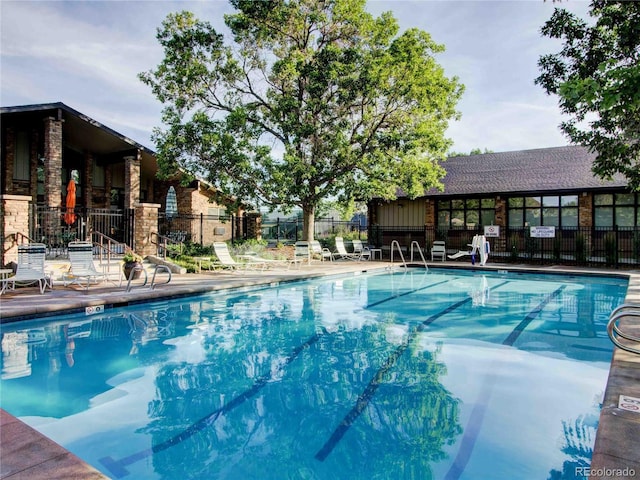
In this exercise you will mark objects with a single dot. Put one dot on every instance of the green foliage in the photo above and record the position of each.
(475, 151)
(581, 248)
(596, 76)
(353, 108)
(514, 246)
(557, 248)
(610, 248)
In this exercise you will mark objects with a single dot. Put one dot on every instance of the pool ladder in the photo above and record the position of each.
(414, 247)
(624, 310)
(152, 285)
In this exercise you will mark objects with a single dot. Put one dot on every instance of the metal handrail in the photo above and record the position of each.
(395, 242)
(152, 285)
(614, 331)
(417, 246)
(162, 242)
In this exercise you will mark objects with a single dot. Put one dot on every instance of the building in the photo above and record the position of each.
(552, 187)
(117, 192)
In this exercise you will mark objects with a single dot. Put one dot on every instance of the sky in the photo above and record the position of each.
(88, 54)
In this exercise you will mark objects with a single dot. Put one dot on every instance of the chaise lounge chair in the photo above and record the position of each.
(318, 251)
(30, 269)
(225, 259)
(341, 251)
(82, 265)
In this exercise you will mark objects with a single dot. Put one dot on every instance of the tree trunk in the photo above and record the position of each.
(309, 222)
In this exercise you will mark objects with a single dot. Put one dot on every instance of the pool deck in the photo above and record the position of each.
(25, 453)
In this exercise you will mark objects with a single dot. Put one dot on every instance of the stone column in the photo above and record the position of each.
(9, 159)
(254, 224)
(132, 181)
(146, 222)
(53, 162)
(500, 219)
(87, 180)
(14, 219)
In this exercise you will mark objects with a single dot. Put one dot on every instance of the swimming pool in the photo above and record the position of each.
(439, 374)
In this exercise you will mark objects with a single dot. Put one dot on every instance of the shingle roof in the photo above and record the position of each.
(545, 169)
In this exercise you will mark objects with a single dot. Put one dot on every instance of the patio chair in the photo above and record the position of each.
(318, 251)
(30, 269)
(82, 265)
(225, 260)
(360, 250)
(438, 249)
(341, 251)
(302, 252)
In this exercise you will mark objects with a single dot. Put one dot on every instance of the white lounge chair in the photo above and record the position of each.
(82, 265)
(360, 250)
(225, 259)
(438, 249)
(318, 251)
(30, 268)
(341, 251)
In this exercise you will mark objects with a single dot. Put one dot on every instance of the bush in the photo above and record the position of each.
(581, 248)
(610, 248)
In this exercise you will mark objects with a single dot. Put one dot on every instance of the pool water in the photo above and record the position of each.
(439, 374)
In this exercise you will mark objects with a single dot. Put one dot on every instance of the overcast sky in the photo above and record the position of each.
(87, 54)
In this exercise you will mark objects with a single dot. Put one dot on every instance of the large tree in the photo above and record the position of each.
(311, 100)
(596, 76)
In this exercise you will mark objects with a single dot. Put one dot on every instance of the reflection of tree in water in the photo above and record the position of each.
(409, 420)
(276, 430)
(578, 437)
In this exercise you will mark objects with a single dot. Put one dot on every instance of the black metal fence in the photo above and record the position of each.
(289, 230)
(587, 246)
(56, 226)
(202, 229)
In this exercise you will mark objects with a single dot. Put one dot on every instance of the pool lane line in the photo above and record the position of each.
(117, 467)
(513, 336)
(374, 304)
(476, 418)
(366, 396)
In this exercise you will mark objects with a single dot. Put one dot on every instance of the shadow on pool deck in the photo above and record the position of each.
(25, 453)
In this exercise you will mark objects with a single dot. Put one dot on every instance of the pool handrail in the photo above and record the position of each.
(396, 244)
(614, 331)
(417, 247)
(152, 285)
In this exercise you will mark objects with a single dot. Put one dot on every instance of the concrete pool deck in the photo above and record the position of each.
(25, 453)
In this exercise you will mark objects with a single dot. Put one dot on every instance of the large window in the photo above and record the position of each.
(549, 210)
(620, 209)
(468, 213)
(21, 170)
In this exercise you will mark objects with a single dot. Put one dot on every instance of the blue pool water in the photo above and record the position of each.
(439, 374)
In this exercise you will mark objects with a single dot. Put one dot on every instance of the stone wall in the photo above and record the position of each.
(146, 221)
(14, 212)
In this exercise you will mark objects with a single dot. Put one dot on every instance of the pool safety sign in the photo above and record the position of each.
(632, 404)
(491, 231)
(543, 232)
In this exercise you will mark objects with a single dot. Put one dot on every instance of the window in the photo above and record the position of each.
(619, 209)
(467, 213)
(21, 170)
(217, 212)
(551, 210)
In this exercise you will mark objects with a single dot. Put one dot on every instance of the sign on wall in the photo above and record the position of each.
(543, 232)
(491, 231)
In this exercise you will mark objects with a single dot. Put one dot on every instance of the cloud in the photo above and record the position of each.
(88, 55)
